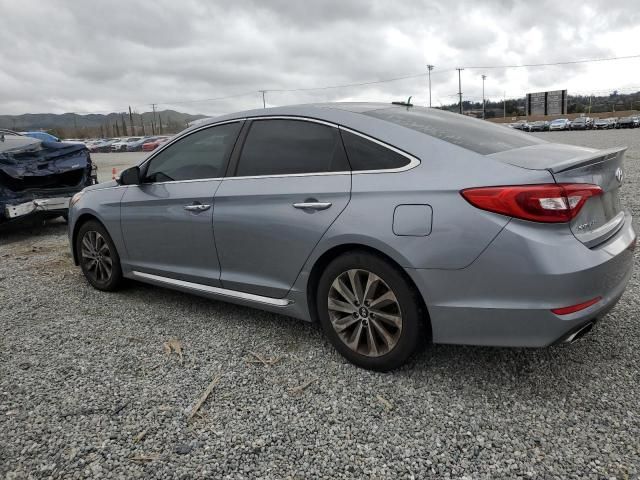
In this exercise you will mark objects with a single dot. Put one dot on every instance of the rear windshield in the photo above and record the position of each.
(476, 135)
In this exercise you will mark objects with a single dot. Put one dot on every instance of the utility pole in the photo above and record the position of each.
(484, 77)
(460, 87)
(264, 103)
(504, 104)
(429, 67)
(159, 123)
(133, 129)
(153, 121)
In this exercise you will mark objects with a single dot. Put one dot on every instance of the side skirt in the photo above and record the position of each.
(222, 293)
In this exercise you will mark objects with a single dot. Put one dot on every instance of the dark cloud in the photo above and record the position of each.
(105, 55)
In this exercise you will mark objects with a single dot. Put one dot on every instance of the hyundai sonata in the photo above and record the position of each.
(386, 224)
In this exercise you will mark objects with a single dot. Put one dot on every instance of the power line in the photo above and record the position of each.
(386, 80)
(552, 64)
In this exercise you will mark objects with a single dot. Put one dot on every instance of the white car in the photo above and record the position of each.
(560, 124)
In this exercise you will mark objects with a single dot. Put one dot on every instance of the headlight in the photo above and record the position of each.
(75, 199)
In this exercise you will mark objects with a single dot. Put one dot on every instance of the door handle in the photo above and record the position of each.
(312, 205)
(197, 207)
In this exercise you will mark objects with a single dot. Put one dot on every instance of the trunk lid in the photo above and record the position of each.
(602, 215)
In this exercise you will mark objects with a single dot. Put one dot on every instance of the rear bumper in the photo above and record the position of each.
(506, 296)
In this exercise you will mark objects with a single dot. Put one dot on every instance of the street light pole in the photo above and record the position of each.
(460, 88)
(430, 67)
(484, 77)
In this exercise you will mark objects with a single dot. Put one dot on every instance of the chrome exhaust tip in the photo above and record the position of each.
(580, 332)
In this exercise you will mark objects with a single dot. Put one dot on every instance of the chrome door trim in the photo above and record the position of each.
(186, 134)
(413, 161)
(250, 297)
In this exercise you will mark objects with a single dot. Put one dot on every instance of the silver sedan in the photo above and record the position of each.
(387, 224)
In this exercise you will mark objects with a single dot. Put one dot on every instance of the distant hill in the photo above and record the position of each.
(72, 125)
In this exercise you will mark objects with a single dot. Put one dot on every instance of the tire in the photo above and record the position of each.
(398, 321)
(95, 251)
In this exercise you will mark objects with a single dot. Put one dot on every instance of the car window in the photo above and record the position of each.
(364, 154)
(479, 136)
(284, 147)
(202, 154)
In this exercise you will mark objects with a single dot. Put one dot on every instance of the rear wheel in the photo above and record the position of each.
(98, 257)
(369, 311)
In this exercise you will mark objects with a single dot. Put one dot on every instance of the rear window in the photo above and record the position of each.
(476, 135)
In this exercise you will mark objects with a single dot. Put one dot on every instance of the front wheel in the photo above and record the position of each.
(98, 257)
(369, 311)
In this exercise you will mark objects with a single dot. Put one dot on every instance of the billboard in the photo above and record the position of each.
(547, 103)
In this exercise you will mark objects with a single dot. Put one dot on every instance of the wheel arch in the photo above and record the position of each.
(334, 252)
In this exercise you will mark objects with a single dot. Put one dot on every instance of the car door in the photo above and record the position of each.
(167, 220)
(287, 185)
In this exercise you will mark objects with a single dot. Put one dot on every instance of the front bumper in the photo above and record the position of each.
(60, 204)
(506, 296)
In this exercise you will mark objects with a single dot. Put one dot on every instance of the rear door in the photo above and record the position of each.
(289, 183)
(167, 221)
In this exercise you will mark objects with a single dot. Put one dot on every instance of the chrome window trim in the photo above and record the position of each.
(186, 134)
(169, 182)
(250, 297)
(413, 161)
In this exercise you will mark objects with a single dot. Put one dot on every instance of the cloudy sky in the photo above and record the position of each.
(97, 56)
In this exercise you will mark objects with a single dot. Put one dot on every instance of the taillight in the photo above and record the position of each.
(548, 203)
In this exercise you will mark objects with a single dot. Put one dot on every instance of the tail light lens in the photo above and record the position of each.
(547, 203)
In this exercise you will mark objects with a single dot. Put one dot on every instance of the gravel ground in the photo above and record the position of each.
(86, 390)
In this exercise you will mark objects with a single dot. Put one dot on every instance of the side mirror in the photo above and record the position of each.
(130, 176)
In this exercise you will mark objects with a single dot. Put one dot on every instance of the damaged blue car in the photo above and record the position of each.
(39, 177)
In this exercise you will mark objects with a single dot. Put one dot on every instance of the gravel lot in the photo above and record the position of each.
(86, 389)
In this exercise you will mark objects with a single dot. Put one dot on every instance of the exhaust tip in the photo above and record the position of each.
(579, 333)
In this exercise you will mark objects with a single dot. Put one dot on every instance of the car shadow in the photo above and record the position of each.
(31, 226)
(533, 373)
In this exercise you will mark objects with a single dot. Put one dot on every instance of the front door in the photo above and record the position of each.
(291, 182)
(167, 220)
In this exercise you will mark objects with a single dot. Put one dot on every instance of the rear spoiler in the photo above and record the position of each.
(589, 158)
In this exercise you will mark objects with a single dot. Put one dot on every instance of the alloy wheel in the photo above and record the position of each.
(96, 256)
(365, 312)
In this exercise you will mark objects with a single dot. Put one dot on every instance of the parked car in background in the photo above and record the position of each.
(539, 126)
(136, 146)
(332, 213)
(603, 124)
(581, 123)
(122, 145)
(40, 177)
(103, 146)
(628, 122)
(560, 124)
(519, 125)
(44, 136)
(154, 143)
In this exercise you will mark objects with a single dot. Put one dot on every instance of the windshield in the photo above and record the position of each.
(479, 136)
(560, 120)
